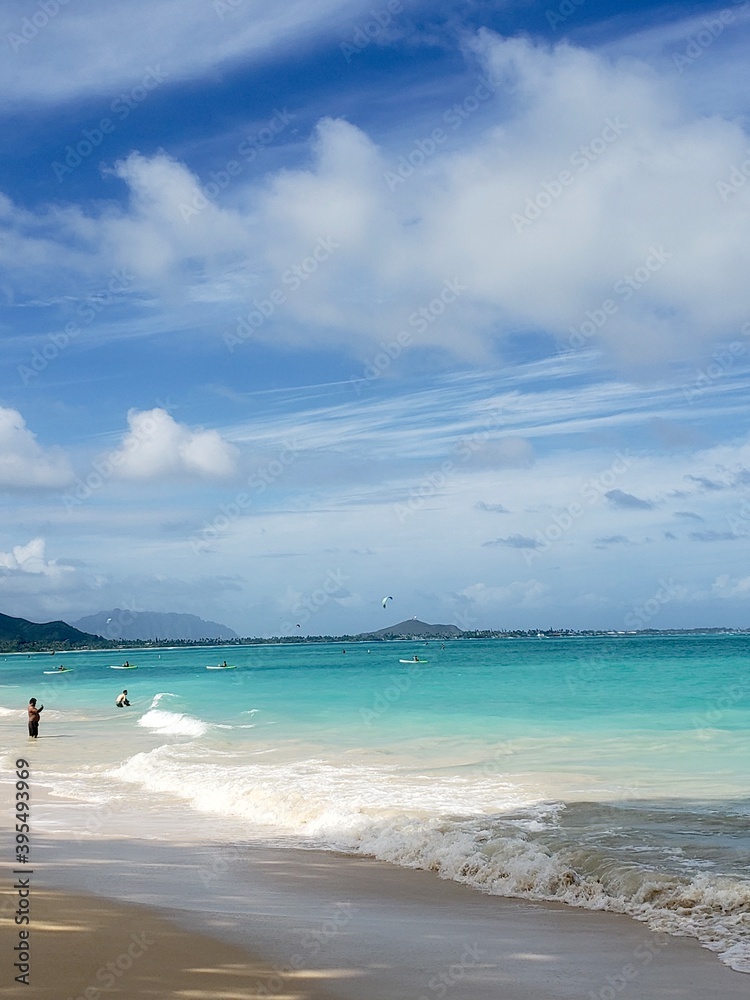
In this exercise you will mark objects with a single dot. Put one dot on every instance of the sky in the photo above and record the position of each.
(308, 305)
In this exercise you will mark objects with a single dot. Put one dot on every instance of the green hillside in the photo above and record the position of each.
(20, 634)
(414, 629)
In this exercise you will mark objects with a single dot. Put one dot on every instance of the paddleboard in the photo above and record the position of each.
(64, 670)
(220, 667)
(412, 661)
(131, 666)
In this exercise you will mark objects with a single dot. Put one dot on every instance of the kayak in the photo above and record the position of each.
(412, 661)
(220, 666)
(64, 670)
(129, 666)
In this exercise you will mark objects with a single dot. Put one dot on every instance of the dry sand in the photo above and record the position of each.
(93, 948)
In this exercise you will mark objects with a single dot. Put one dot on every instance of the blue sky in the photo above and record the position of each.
(308, 305)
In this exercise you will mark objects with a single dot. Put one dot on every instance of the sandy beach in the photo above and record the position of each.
(90, 947)
(222, 922)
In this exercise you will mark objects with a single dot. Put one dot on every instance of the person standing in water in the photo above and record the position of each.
(122, 700)
(34, 714)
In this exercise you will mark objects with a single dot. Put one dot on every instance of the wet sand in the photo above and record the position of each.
(252, 921)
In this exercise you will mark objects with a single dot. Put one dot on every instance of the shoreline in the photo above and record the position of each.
(323, 924)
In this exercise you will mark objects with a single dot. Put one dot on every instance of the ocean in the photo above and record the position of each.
(608, 772)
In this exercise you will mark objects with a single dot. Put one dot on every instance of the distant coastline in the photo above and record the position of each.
(31, 647)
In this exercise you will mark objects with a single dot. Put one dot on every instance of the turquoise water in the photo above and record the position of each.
(608, 772)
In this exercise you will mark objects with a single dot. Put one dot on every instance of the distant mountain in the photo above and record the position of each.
(25, 634)
(135, 626)
(414, 629)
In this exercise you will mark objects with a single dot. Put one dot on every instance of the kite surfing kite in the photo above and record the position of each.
(385, 600)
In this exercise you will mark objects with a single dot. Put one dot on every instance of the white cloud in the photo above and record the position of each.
(30, 558)
(23, 462)
(162, 237)
(88, 48)
(634, 248)
(730, 588)
(156, 446)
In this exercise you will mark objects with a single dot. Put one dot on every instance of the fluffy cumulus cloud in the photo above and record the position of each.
(156, 446)
(593, 209)
(24, 463)
(164, 238)
(31, 559)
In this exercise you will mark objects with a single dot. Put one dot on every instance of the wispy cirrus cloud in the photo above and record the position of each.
(86, 48)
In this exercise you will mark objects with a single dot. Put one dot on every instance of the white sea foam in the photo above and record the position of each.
(172, 723)
(485, 833)
(162, 694)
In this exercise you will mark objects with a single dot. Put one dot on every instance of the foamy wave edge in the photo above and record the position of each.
(315, 805)
(715, 910)
(172, 723)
